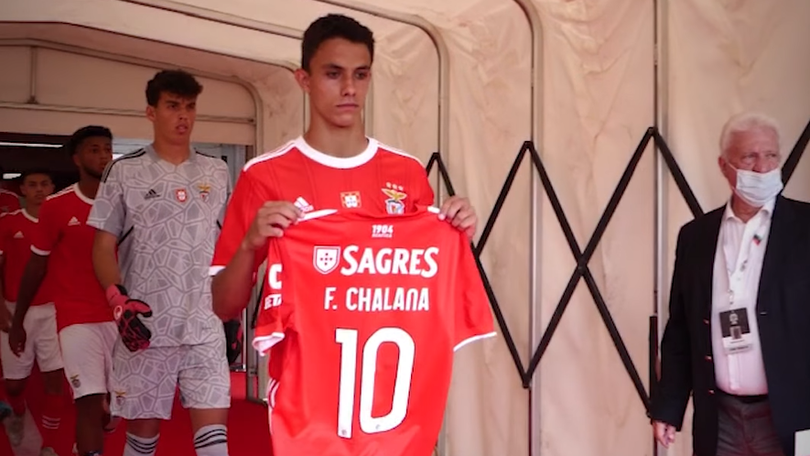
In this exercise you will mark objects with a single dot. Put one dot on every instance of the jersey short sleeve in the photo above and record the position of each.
(276, 314)
(108, 213)
(473, 317)
(244, 203)
(46, 234)
(4, 220)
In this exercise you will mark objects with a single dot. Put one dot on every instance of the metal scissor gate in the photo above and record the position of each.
(583, 257)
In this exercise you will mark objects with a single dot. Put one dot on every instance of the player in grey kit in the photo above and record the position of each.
(161, 208)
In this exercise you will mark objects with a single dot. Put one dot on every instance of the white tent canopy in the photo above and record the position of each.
(474, 79)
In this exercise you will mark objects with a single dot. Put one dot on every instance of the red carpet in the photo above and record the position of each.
(247, 426)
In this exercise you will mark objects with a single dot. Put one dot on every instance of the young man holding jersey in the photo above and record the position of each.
(334, 165)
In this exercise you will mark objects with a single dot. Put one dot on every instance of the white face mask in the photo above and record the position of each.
(758, 188)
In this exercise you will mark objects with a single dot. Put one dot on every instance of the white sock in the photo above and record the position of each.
(211, 440)
(139, 446)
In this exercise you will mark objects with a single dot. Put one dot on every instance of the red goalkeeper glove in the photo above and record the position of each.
(134, 334)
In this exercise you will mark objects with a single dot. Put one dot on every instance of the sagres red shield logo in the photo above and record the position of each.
(181, 195)
(325, 259)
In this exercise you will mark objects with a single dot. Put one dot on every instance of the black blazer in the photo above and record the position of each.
(783, 316)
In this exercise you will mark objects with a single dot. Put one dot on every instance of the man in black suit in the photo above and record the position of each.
(738, 335)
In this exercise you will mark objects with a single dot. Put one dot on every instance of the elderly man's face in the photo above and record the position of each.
(756, 150)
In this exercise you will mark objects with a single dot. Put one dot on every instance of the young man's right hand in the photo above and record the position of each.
(271, 221)
(5, 317)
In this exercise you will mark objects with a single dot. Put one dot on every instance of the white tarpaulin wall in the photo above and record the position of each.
(598, 98)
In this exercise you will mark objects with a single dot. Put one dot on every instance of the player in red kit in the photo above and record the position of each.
(333, 165)
(9, 201)
(62, 250)
(17, 230)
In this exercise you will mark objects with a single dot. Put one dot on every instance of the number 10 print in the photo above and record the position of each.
(347, 338)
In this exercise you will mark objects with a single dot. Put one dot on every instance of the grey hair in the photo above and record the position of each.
(746, 122)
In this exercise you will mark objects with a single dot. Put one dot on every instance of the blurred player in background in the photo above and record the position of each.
(17, 230)
(162, 207)
(63, 247)
(9, 201)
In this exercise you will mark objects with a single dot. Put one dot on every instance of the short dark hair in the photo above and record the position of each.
(334, 26)
(177, 82)
(90, 131)
(31, 171)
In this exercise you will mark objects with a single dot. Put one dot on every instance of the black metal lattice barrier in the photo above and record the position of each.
(583, 257)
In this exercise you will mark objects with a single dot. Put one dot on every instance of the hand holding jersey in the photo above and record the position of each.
(460, 213)
(134, 334)
(272, 218)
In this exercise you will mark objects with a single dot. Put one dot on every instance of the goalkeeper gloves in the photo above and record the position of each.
(134, 334)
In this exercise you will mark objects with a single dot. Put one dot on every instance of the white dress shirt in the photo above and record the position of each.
(737, 269)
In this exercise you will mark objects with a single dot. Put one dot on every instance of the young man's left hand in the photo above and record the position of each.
(460, 214)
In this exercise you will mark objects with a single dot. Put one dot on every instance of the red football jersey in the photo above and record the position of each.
(379, 180)
(361, 315)
(9, 201)
(64, 236)
(16, 234)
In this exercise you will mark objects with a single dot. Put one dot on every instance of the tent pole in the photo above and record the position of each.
(32, 77)
(535, 315)
(77, 50)
(660, 107)
(220, 17)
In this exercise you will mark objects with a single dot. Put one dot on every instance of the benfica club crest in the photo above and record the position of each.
(181, 195)
(205, 190)
(325, 259)
(395, 194)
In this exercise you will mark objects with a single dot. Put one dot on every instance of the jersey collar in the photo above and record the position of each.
(81, 195)
(337, 162)
(29, 216)
(152, 153)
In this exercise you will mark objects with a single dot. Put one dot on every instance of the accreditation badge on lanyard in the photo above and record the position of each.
(734, 322)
